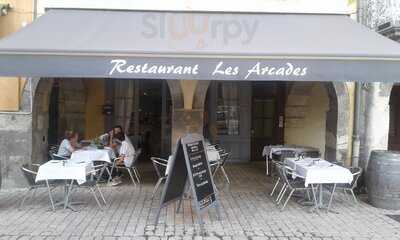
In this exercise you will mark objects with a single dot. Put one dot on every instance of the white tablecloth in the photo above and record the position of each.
(213, 155)
(91, 155)
(270, 149)
(56, 170)
(319, 172)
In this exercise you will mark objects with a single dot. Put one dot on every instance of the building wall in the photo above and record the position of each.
(94, 118)
(20, 15)
(306, 118)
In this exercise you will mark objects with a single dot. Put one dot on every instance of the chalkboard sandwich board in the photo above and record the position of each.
(189, 165)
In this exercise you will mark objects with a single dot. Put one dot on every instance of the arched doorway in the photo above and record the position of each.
(317, 114)
(245, 116)
(142, 107)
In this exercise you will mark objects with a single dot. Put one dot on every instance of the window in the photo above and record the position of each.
(228, 109)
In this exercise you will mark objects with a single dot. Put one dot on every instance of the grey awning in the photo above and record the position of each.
(176, 45)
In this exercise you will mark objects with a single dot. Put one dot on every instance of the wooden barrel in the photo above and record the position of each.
(383, 179)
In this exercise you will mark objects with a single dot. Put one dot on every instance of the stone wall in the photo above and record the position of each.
(305, 114)
(72, 106)
(16, 140)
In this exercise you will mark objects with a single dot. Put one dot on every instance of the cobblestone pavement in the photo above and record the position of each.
(248, 212)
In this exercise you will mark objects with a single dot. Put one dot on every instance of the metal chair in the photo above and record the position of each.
(224, 156)
(277, 164)
(310, 154)
(52, 150)
(134, 165)
(30, 176)
(291, 185)
(132, 170)
(349, 187)
(92, 182)
(278, 160)
(104, 167)
(55, 156)
(160, 165)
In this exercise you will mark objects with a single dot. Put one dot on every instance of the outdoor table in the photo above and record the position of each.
(67, 170)
(316, 171)
(269, 150)
(93, 154)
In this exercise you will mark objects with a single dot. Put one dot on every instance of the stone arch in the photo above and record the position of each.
(200, 94)
(176, 93)
(337, 117)
(40, 119)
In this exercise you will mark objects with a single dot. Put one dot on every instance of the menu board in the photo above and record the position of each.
(177, 176)
(189, 162)
(199, 172)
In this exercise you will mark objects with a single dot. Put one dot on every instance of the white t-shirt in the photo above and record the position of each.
(65, 148)
(128, 151)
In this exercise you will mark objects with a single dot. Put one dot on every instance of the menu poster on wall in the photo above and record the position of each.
(189, 167)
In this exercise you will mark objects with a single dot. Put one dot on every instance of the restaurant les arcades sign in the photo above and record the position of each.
(208, 68)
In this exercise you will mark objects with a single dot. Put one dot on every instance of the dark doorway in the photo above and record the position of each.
(394, 127)
(267, 116)
(53, 114)
(155, 107)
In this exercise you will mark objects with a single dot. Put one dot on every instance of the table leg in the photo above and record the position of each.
(321, 196)
(331, 198)
(67, 203)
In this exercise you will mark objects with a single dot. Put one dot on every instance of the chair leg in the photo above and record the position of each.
(287, 199)
(282, 189)
(131, 176)
(156, 187)
(50, 196)
(25, 197)
(101, 195)
(110, 175)
(308, 195)
(226, 175)
(137, 175)
(108, 172)
(95, 197)
(354, 196)
(283, 194)
(275, 186)
(346, 194)
(314, 195)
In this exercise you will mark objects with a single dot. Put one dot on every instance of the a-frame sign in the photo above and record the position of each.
(189, 167)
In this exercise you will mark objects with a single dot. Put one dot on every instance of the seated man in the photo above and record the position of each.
(126, 154)
(108, 138)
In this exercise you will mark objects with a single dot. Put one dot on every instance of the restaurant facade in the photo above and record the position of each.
(245, 78)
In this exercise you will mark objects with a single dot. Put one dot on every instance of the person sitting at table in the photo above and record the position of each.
(69, 144)
(126, 154)
(107, 138)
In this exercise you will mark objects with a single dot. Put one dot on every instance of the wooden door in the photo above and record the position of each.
(267, 116)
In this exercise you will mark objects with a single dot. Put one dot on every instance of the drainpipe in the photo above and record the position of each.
(356, 125)
(357, 107)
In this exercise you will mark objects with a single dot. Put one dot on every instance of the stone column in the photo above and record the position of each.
(188, 98)
(376, 117)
